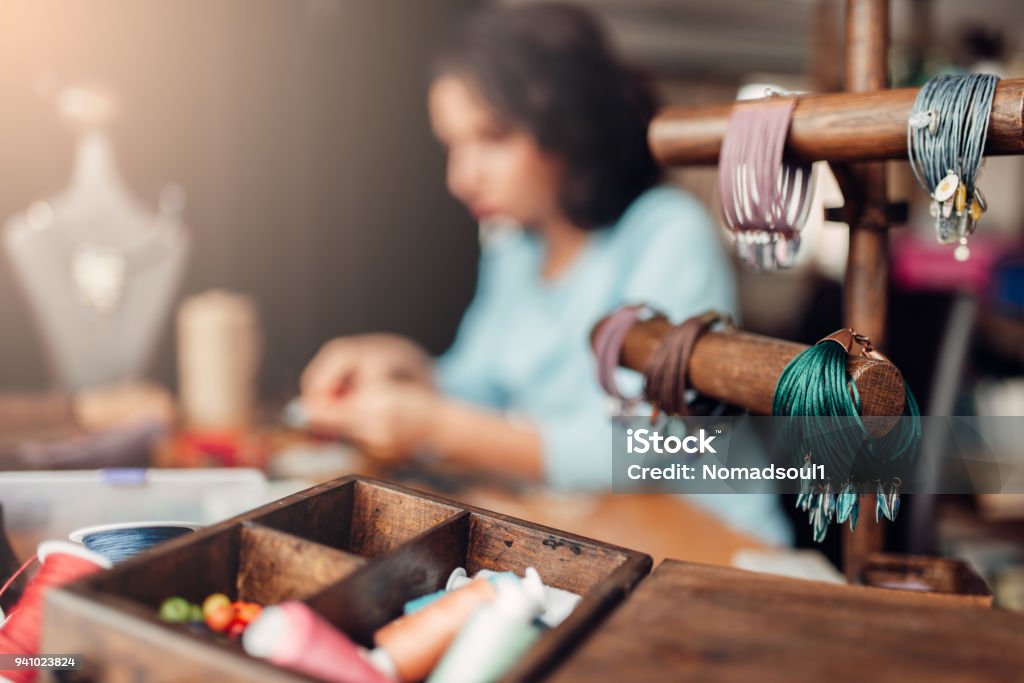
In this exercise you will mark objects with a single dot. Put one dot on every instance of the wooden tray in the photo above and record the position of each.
(354, 549)
(939, 577)
(690, 622)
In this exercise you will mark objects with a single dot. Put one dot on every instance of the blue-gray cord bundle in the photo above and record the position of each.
(120, 544)
(946, 135)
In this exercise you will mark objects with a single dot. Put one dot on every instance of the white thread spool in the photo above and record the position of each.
(496, 636)
(219, 349)
(558, 603)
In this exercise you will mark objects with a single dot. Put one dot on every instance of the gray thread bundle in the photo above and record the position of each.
(963, 104)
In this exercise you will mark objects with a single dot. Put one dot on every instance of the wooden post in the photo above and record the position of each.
(867, 269)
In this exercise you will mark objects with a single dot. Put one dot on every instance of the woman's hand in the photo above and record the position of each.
(393, 420)
(386, 420)
(352, 363)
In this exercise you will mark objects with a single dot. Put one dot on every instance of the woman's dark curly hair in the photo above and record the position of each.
(547, 69)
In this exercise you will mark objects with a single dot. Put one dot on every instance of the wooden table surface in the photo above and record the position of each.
(690, 622)
(662, 526)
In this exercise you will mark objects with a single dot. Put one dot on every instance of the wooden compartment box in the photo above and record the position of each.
(942, 578)
(355, 550)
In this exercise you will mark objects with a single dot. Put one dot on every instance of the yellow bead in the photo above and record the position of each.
(961, 198)
(976, 210)
(979, 197)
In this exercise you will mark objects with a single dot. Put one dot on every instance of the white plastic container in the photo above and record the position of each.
(50, 505)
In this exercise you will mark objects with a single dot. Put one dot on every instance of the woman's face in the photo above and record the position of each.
(494, 169)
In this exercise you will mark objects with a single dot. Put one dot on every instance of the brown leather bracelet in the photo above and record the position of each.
(665, 374)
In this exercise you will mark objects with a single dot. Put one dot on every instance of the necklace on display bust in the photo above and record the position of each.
(99, 269)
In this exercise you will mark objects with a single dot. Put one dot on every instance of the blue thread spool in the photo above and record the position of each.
(458, 579)
(119, 542)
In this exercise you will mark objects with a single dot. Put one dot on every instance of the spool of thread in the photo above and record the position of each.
(219, 349)
(411, 646)
(419, 603)
(119, 542)
(460, 577)
(558, 603)
(292, 635)
(494, 638)
(457, 579)
(60, 563)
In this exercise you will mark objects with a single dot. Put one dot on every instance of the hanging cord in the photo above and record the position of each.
(817, 385)
(14, 577)
(765, 201)
(20, 633)
(946, 135)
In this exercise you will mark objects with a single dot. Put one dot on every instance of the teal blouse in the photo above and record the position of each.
(523, 344)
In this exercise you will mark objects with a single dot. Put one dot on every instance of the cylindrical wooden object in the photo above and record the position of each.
(219, 349)
(743, 368)
(867, 266)
(848, 126)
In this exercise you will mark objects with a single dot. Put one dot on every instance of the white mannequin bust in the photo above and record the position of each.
(99, 269)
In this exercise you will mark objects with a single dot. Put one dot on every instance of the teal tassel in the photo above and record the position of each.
(893, 501)
(829, 501)
(816, 383)
(803, 499)
(847, 499)
(820, 524)
(881, 505)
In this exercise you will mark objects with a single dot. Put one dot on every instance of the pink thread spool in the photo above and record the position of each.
(292, 635)
(60, 563)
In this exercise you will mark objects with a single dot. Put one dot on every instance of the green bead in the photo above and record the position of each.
(175, 610)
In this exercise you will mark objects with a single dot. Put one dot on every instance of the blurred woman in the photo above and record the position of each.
(545, 130)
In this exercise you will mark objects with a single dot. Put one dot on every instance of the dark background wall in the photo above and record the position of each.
(298, 129)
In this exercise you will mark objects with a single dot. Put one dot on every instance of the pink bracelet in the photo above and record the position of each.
(765, 200)
(607, 345)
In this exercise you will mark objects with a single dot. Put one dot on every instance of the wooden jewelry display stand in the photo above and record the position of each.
(855, 130)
